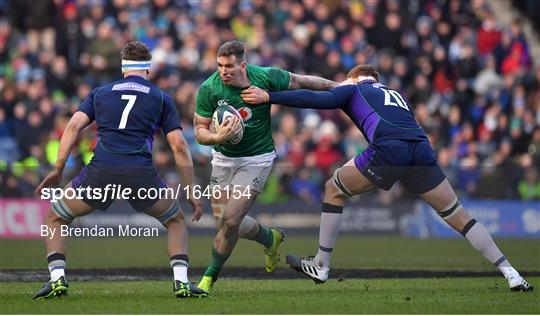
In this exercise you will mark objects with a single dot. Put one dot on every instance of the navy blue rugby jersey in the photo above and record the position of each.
(379, 112)
(128, 112)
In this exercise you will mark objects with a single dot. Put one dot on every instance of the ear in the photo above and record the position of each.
(243, 65)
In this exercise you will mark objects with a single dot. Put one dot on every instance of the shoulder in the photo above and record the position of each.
(255, 68)
(264, 71)
(166, 97)
(345, 90)
(272, 78)
(369, 87)
(211, 84)
(212, 81)
(101, 90)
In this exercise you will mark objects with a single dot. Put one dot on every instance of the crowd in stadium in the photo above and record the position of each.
(471, 81)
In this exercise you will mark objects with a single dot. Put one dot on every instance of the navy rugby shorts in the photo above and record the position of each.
(413, 163)
(133, 178)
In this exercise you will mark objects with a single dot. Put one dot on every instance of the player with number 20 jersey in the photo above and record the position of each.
(398, 150)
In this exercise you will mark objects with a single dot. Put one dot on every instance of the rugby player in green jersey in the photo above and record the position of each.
(240, 171)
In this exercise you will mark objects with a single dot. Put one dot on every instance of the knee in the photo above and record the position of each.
(177, 220)
(53, 218)
(452, 209)
(330, 190)
(230, 226)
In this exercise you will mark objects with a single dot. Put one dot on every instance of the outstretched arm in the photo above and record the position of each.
(310, 82)
(333, 99)
(304, 99)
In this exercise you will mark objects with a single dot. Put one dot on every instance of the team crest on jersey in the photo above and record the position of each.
(223, 102)
(245, 112)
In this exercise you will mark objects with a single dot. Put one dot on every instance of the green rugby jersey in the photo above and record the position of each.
(257, 138)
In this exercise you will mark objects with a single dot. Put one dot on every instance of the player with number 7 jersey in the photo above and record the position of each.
(127, 113)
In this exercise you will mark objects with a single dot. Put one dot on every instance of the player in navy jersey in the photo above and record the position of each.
(127, 114)
(398, 150)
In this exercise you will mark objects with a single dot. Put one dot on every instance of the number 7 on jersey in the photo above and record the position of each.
(131, 102)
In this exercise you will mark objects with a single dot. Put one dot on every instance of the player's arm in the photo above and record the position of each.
(204, 136)
(280, 80)
(184, 165)
(202, 119)
(170, 125)
(310, 82)
(332, 99)
(76, 124)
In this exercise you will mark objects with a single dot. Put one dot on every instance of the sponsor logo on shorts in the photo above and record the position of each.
(374, 175)
(257, 184)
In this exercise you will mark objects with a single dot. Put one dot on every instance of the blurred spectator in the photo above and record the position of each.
(488, 79)
(101, 59)
(36, 19)
(529, 186)
(489, 35)
(70, 40)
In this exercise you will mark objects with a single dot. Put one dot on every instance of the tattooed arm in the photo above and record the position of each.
(310, 82)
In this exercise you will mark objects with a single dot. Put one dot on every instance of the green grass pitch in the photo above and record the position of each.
(481, 295)
(410, 296)
(351, 251)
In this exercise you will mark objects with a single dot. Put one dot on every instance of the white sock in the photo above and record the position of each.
(508, 271)
(328, 232)
(179, 265)
(180, 273)
(57, 265)
(481, 240)
(57, 273)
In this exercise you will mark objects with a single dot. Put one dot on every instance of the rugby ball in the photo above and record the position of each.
(226, 112)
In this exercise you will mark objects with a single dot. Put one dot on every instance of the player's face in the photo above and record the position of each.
(231, 70)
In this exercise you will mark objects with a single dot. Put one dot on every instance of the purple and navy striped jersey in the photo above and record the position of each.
(128, 112)
(379, 112)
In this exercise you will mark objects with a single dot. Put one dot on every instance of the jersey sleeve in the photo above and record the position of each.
(169, 116)
(87, 106)
(204, 107)
(279, 79)
(333, 99)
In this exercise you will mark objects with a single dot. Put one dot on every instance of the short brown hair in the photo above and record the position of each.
(235, 48)
(136, 51)
(363, 70)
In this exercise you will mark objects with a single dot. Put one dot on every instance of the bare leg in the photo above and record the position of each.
(444, 201)
(177, 236)
(228, 233)
(249, 227)
(60, 214)
(347, 181)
